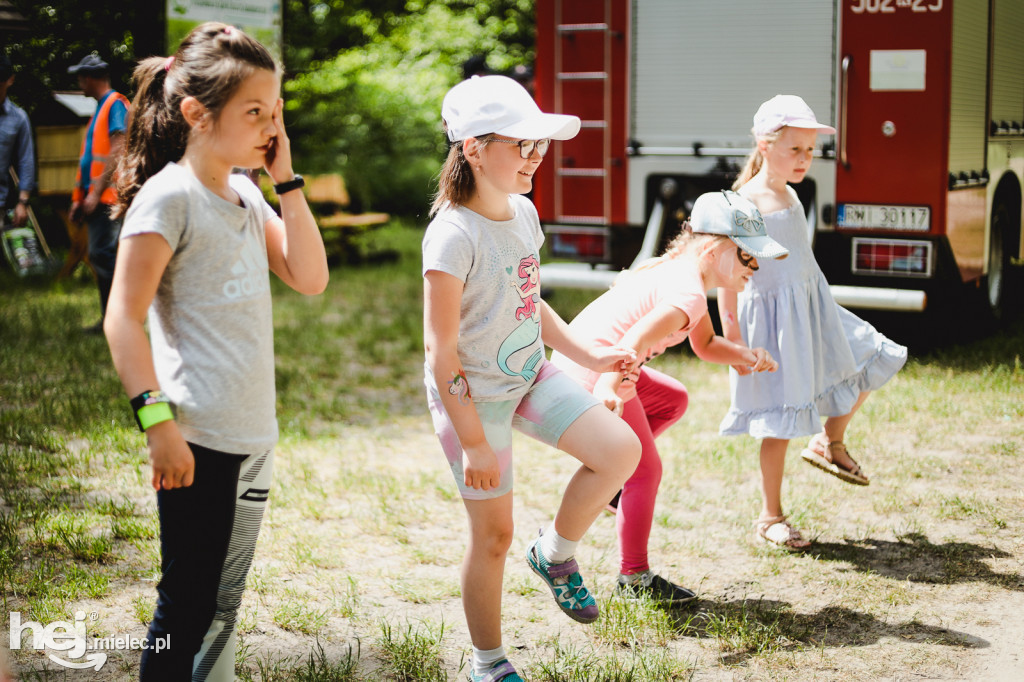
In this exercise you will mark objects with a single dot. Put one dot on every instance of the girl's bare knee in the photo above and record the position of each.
(501, 543)
(496, 540)
(623, 452)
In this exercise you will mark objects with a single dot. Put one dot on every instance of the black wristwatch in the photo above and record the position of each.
(23, 202)
(294, 183)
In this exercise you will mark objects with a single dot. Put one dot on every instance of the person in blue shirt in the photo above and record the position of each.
(15, 150)
(94, 197)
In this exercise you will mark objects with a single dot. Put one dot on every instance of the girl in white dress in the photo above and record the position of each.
(829, 359)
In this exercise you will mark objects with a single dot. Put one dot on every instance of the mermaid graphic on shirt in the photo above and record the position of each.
(527, 333)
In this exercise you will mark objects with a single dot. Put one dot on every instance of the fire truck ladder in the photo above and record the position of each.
(564, 73)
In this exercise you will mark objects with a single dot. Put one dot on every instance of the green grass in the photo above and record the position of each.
(571, 663)
(633, 623)
(748, 629)
(357, 569)
(412, 652)
(294, 613)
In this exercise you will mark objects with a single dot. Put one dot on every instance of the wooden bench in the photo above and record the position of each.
(328, 198)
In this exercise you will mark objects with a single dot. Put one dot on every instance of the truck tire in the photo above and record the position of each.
(1001, 275)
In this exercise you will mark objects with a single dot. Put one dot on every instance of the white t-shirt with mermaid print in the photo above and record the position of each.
(499, 329)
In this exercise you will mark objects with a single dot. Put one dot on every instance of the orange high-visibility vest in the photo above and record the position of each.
(100, 152)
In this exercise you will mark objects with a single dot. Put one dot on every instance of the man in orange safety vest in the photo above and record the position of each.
(95, 195)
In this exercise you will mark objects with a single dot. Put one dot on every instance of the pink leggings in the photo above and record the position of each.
(659, 403)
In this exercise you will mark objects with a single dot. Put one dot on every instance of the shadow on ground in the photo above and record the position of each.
(915, 558)
(749, 627)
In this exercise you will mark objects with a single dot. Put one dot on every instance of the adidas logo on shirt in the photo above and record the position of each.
(250, 274)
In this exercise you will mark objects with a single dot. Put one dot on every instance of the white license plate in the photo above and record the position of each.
(876, 217)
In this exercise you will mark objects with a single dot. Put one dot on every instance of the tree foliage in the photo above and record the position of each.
(58, 33)
(364, 78)
(317, 30)
(372, 112)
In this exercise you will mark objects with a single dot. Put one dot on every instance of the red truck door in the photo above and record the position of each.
(582, 71)
(894, 96)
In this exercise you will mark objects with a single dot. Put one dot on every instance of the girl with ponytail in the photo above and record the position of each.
(829, 359)
(660, 304)
(484, 330)
(197, 243)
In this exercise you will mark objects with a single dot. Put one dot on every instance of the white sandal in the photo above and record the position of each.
(777, 531)
(826, 461)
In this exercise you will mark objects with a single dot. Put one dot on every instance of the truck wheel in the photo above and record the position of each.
(1000, 273)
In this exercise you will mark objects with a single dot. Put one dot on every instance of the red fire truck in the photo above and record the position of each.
(918, 194)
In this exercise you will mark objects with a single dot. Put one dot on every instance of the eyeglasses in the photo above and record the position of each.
(745, 259)
(526, 147)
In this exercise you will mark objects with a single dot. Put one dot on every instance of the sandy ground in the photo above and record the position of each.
(365, 528)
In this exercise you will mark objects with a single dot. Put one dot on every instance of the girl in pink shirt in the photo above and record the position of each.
(661, 304)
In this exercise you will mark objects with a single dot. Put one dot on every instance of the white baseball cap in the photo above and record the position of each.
(729, 214)
(786, 110)
(498, 104)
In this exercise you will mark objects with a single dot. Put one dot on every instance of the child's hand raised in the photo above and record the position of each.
(278, 160)
(611, 359)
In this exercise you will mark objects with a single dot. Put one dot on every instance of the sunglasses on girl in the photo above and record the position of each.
(745, 259)
(527, 147)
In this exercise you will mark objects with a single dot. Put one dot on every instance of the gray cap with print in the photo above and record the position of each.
(728, 214)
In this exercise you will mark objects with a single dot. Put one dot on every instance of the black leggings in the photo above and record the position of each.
(208, 535)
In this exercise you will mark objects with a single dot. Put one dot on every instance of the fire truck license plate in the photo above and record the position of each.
(907, 218)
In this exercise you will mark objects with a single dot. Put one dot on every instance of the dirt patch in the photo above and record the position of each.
(918, 576)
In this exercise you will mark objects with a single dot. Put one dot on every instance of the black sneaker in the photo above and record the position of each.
(648, 585)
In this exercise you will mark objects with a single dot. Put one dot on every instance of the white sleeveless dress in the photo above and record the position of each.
(827, 355)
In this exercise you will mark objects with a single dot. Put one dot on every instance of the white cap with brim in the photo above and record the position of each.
(728, 214)
(500, 105)
(786, 110)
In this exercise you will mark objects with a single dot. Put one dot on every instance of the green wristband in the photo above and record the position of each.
(155, 413)
(151, 407)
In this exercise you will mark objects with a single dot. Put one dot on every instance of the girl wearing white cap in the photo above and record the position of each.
(485, 327)
(657, 306)
(829, 359)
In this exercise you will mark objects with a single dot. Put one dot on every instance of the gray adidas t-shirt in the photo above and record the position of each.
(499, 329)
(210, 324)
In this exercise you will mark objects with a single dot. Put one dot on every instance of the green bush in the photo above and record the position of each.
(372, 112)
